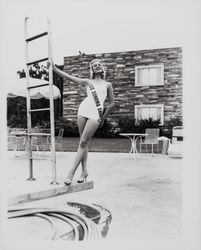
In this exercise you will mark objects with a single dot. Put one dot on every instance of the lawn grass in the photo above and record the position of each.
(121, 145)
(98, 144)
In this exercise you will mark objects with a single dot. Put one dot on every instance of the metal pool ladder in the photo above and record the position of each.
(51, 101)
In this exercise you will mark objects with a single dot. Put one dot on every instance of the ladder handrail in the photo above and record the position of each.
(51, 103)
(28, 102)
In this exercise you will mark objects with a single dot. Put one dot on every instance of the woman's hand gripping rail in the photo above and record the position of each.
(66, 75)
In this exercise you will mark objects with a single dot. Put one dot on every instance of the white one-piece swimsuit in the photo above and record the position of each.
(88, 107)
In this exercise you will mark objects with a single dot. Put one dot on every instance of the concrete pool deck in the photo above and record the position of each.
(144, 196)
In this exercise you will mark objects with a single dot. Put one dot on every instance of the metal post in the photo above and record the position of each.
(53, 153)
(28, 102)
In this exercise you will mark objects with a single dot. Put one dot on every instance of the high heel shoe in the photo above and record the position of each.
(69, 180)
(83, 178)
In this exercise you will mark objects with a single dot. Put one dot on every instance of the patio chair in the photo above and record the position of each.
(11, 142)
(150, 139)
(20, 144)
(35, 143)
(176, 146)
(58, 140)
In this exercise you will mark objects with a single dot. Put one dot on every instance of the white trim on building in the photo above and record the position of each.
(149, 75)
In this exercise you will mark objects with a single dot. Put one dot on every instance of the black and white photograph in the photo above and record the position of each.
(100, 124)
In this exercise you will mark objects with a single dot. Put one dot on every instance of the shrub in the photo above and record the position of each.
(16, 112)
(147, 123)
(108, 130)
(174, 121)
(127, 124)
(70, 129)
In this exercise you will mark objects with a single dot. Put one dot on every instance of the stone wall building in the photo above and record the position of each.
(146, 83)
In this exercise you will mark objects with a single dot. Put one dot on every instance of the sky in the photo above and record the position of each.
(91, 26)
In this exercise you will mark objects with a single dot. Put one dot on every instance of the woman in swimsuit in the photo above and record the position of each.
(88, 117)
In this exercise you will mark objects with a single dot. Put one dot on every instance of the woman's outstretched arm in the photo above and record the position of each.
(67, 76)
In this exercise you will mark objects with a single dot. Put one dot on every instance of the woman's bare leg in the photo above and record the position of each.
(81, 124)
(87, 133)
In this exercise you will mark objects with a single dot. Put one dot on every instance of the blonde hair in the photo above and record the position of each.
(92, 74)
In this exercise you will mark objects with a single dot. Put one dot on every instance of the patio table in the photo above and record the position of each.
(133, 138)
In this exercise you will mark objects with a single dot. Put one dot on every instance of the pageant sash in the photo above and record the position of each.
(96, 99)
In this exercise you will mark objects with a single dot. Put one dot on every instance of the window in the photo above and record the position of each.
(149, 111)
(150, 75)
